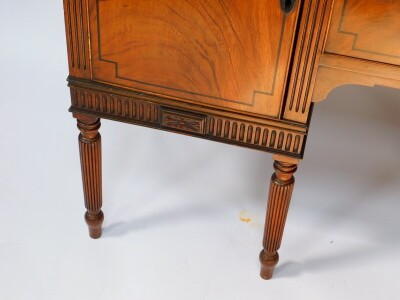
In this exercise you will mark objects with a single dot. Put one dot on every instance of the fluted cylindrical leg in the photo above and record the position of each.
(90, 154)
(282, 183)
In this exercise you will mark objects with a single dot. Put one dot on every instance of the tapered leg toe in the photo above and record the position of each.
(94, 223)
(268, 264)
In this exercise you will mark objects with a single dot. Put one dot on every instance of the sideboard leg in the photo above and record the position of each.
(281, 187)
(90, 154)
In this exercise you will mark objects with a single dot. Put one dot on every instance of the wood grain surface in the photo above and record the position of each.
(368, 29)
(232, 54)
(240, 72)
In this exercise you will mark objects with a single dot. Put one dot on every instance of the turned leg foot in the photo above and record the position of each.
(90, 154)
(268, 263)
(94, 223)
(281, 187)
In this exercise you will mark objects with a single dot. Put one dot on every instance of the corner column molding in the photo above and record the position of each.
(77, 33)
(314, 14)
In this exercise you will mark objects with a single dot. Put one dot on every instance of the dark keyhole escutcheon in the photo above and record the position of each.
(287, 5)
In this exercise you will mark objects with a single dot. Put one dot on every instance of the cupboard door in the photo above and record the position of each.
(228, 54)
(367, 29)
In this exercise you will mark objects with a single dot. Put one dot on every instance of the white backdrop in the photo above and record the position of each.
(173, 203)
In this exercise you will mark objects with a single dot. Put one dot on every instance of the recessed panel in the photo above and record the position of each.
(367, 29)
(224, 53)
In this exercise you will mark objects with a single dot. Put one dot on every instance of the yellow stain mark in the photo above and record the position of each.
(244, 216)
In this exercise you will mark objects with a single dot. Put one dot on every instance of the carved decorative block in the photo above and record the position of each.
(183, 121)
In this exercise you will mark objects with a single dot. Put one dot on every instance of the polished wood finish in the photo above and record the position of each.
(280, 193)
(368, 29)
(196, 51)
(227, 127)
(77, 33)
(245, 73)
(362, 46)
(90, 153)
(308, 49)
(334, 71)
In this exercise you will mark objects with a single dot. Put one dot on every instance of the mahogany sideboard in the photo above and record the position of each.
(246, 73)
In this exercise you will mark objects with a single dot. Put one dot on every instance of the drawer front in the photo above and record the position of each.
(368, 29)
(229, 54)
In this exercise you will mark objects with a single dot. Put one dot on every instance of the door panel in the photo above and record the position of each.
(368, 29)
(229, 54)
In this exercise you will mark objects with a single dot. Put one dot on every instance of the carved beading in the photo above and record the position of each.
(116, 105)
(281, 188)
(308, 49)
(256, 134)
(75, 12)
(90, 155)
